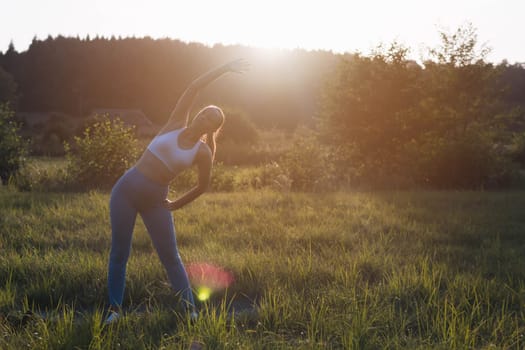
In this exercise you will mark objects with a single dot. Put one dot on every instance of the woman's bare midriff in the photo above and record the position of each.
(153, 168)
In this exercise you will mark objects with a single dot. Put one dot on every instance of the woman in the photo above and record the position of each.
(144, 187)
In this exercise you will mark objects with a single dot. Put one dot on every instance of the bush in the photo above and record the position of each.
(232, 178)
(231, 153)
(12, 148)
(42, 176)
(105, 150)
(517, 148)
(222, 180)
(50, 137)
(471, 162)
(238, 128)
(184, 180)
(271, 175)
(237, 139)
(8, 88)
(307, 164)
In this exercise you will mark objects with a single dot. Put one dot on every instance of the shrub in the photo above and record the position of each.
(517, 148)
(232, 178)
(469, 162)
(307, 164)
(231, 153)
(238, 128)
(12, 148)
(184, 180)
(271, 175)
(35, 176)
(105, 150)
(50, 137)
(8, 88)
(237, 139)
(222, 180)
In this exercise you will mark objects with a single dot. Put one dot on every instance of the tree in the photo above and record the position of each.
(12, 147)
(7, 88)
(389, 120)
(463, 99)
(459, 85)
(367, 112)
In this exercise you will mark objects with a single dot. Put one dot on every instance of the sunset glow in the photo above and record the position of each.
(339, 26)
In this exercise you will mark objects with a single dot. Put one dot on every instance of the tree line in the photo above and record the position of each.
(380, 120)
(456, 122)
(74, 76)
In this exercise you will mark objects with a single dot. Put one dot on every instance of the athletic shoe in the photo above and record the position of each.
(112, 318)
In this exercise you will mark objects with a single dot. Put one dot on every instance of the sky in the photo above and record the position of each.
(338, 26)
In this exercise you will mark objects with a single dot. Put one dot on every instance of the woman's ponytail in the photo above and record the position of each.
(210, 141)
(210, 137)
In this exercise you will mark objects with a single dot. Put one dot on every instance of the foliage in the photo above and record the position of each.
(12, 148)
(184, 180)
(102, 154)
(238, 128)
(232, 179)
(307, 163)
(462, 96)
(237, 139)
(58, 128)
(8, 88)
(377, 110)
(398, 124)
(231, 153)
(273, 176)
(75, 75)
(460, 48)
(270, 146)
(222, 180)
(471, 161)
(517, 150)
(43, 175)
(368, 111)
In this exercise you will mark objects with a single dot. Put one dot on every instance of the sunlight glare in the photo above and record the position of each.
(203, 293)
(208, 279)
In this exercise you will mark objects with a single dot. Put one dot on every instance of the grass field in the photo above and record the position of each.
(391, 270)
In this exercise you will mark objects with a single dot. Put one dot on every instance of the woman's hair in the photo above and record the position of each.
(211, 137)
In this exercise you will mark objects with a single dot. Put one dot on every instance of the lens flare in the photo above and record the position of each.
(203, 293)
(208, 278)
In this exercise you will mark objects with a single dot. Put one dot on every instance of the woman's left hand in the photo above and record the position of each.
(170, 205)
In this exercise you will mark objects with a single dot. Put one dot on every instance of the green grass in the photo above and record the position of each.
(391, 270)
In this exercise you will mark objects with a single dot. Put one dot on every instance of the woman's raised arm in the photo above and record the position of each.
(180, 114)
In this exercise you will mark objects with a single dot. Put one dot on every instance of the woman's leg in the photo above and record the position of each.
(123, 215)
(159, 223)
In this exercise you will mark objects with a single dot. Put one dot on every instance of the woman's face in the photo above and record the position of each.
(208, 120)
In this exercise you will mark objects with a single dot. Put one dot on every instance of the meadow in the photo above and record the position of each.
(345, 270)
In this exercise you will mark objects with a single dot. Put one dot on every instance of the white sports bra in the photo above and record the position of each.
(166, 148)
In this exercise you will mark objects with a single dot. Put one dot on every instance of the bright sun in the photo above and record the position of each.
(266, 24)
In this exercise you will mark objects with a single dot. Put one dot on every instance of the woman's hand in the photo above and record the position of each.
(170, 205)
(238, 66)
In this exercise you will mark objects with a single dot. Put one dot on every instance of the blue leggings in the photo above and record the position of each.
(134, 193)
